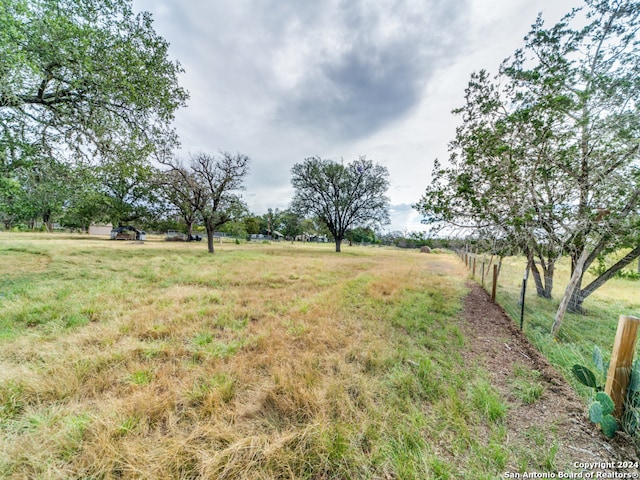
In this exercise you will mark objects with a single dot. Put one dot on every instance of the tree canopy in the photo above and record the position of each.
(87, 90)
(548, 153)
(81, 78)
(341, 196)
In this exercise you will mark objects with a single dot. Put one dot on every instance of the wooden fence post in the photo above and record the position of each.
(495, 282)
(621, 359)
(473, 275)
(482, 272)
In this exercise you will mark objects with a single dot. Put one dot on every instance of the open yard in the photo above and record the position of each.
(158, 360)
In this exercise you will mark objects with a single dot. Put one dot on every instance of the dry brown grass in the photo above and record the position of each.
(123, 360)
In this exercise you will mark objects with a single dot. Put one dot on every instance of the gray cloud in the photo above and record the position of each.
(281, 80)
(371, 65)
(340, 69)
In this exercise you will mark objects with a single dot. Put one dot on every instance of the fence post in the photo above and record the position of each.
(621, 359)
(523, 294)
(495, 282)
(483, 272)
(473, 275)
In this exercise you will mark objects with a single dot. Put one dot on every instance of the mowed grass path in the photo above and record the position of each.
(158, 360)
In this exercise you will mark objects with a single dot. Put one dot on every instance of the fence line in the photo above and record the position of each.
(574, 345)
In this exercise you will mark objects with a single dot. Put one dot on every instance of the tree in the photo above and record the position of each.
(548, 156)
(212, 185)
(87, 202)
(582, 72)
(252, 224)
(362, 235)
(272, 220)
(47, 184)
(77, 77)
(236, 226)
(10, 191)
(290, 224)
(497, 184)
(179, 189)
(128, 188)
(341, 196)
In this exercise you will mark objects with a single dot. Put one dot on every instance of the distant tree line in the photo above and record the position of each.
(87, 99)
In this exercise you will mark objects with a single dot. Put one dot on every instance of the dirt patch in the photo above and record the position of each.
(500, 347)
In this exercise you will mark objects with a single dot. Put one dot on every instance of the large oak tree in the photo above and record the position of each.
(82, 75)
(341, 196)
(84, 82)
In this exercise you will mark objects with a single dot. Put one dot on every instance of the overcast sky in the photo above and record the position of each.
(282, 80)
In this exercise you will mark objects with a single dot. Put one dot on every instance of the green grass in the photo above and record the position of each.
(158, 360)
(526, 385)
(578, 334)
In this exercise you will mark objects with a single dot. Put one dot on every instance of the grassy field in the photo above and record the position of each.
(579, 333)
(158, 360)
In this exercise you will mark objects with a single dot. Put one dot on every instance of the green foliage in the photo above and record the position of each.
(545, 156)
(127, 189)
(141, 377)
(600, 412)
(609, 426)
(11, 400)
(208, 187)
(341, 196)
(597, 360)
(601, 267)
(631, 417)
(81, 74)
(605, 401)
(585, 376)
(602, 406)
(488, 402)
(526, 384)
(291, 224)
(80, 82)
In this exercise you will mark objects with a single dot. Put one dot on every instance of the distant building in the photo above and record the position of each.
(127, 232)
(100, 229)
(307, 237)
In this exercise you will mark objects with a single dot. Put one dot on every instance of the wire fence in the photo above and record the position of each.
(579, 333)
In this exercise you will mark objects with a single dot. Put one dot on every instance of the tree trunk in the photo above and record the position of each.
(535, 272)
(210, 239)
(189, 231)
(576, 277)
(544, 282)
(540, 291)
(548, 272)
(579, 296)
(46, 220)
(338, 242)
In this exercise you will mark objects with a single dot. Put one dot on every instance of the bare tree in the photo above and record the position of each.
(208, 184)
(180, 190)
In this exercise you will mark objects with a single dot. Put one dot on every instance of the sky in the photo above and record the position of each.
(283, 80)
